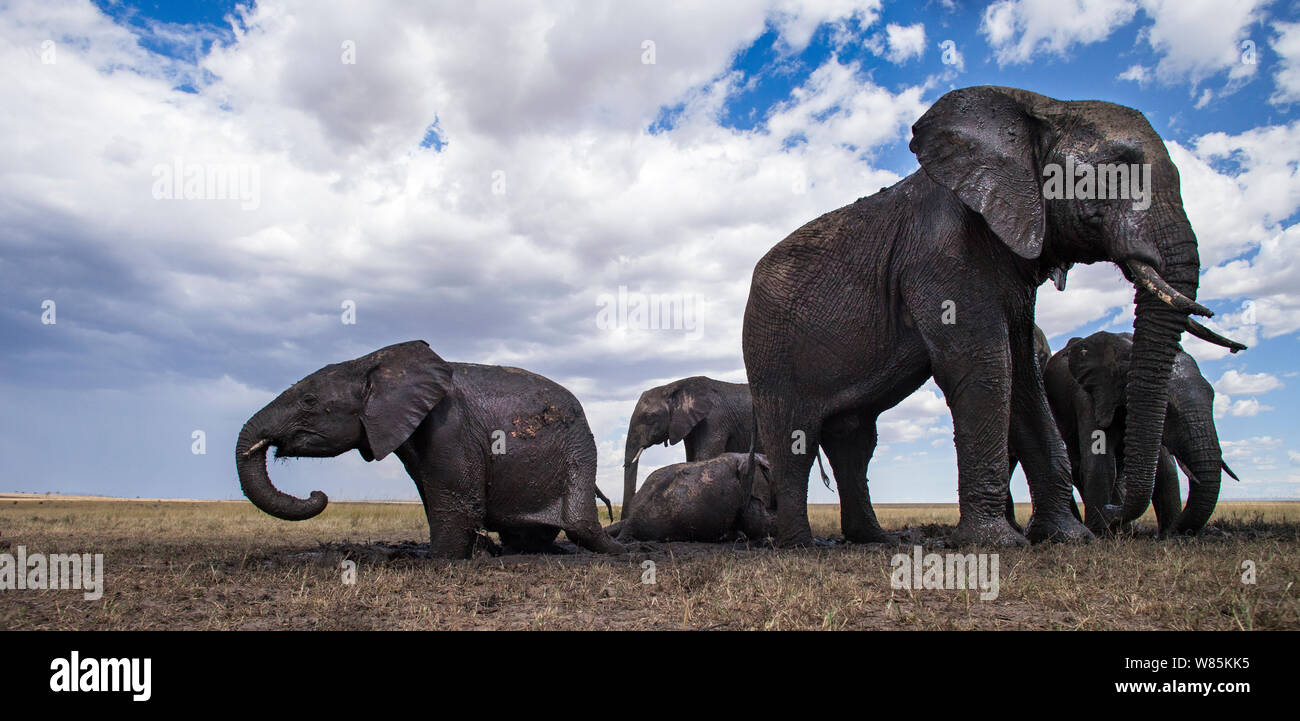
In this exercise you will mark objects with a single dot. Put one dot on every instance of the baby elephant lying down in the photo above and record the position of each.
(714, 500)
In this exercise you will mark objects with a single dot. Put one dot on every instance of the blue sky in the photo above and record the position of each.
(481, 175)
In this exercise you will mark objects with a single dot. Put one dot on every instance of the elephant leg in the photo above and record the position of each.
(1167, 497)
(789, 470)
(455, 509)
(849, 443)
(1037, 444)
(580, 522)
(451, 533)
(1095, 471)
(975, 383)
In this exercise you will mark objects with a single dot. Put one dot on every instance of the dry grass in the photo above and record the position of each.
(225, 565)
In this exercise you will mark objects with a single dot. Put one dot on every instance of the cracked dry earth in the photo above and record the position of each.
(225, 565)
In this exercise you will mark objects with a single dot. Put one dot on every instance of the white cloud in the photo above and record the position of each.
(1234, 382)
(1253, 450)
(797, 20)
(1019, 29)
(352, 208)
(1287, 76)
(1200, 38)
(1138, 73)
(904, 42)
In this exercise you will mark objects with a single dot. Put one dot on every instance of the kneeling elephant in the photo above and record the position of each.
(487, 446)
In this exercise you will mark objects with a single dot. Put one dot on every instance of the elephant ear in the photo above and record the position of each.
(686, 408)
(403, 384)
(980, 143)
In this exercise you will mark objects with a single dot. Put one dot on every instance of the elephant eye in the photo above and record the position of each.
(309, 400)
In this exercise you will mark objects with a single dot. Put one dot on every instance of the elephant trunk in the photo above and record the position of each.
(250, 460)
(1157, 328)
(1203, 460)
(631, 456)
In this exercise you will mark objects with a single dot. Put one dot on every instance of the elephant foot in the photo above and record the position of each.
(990, 533)
(801, 538)
(1059, 528)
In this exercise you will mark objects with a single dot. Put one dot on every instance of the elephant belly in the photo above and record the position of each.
(522, 495)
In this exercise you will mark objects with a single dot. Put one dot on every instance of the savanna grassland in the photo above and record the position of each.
(226, 565)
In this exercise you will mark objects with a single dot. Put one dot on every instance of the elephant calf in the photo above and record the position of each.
(487, 446)
(1087, 383)
(709, 500)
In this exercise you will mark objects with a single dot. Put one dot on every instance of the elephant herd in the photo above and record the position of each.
(935, 276)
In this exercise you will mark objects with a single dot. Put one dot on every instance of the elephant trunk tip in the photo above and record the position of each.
(257, 486)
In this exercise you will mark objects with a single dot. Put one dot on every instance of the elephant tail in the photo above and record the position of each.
(1229, 471)
(826, 480)
(608, 506)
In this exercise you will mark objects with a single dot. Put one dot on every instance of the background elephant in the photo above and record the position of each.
(487, 446)
(936, 276)
(1087, 388)
(707, 501)
(711, 417)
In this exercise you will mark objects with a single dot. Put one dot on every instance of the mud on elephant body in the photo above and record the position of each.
(713, 500)
(487, 446)
(1087, 387)
(935, 276)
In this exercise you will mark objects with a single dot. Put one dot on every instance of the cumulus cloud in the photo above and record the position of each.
(1200, 38)
(550, 192)
(1234, 382)
(1019, 29)
(904, 42)
(1286, 79)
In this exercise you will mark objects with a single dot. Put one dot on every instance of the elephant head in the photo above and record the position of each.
(371, 404)
(999, 149)
(665, 414)
(1100, 364)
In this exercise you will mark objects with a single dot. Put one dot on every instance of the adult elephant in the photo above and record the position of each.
(1087, 384)
(710, 417)
(936, 276)
(487, 446)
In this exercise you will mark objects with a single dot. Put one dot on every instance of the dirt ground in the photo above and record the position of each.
(226, 565)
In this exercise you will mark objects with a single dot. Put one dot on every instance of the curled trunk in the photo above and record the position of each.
(250, 459)
(1203, 461)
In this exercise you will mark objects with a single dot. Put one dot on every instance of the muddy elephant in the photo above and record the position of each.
(710, 417)
(935, 276)
(713, 500)
(489, 447)
(1087, 388)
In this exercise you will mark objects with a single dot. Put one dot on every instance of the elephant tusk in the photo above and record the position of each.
(256, 447)
(1147, 277)
(635, 458)
(1210, 336)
